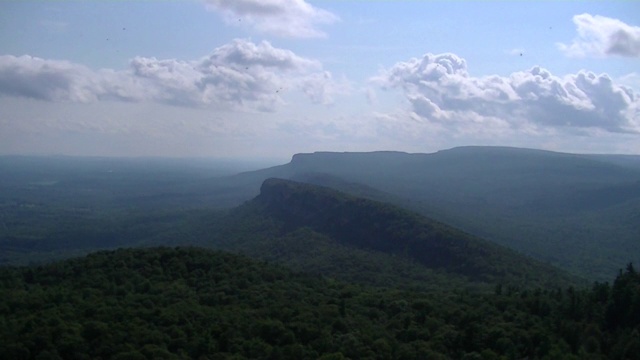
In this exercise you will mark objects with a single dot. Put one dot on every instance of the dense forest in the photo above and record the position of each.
(342, 231)
(191, 303)
(300, 270)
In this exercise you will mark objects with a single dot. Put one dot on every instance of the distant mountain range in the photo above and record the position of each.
(378, 269)
(579, 212)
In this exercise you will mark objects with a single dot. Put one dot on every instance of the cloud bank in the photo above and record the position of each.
(238, 75)
(285, 18)
(52, 80)
(602, 36)
(440, 90)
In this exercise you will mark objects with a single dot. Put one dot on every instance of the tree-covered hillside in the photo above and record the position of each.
(579, 212)
(310, 228)
(286, 209)
(189, 303)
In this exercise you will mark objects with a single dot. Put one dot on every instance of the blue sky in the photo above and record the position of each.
(271, 78)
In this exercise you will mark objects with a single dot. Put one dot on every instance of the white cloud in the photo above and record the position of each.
(243, 53)
(239, 75)
(631, 80)
(286, 18)
(439, 89)
(603, 36)
(321, 88)
(27, 76)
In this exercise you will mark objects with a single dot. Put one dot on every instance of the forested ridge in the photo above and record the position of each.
(319, 230)
(577, 212)
(389, 229)
(182, 303)
(307, 227)
(326, 275)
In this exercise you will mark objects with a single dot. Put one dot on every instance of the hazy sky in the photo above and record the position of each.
(269, 78)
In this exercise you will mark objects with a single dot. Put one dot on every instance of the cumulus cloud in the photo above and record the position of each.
(241, 74)
(440, 89)
(237, 74)
(241, 53)
(603, 36)
(286, 18)
(27, 76)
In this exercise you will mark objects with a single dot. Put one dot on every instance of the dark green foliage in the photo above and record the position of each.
(624, 307)
(380, 227)
(309, 228)
(380, 283)
(189, 303)
(318, 230)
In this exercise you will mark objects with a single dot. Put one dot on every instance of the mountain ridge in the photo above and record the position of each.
(388, 229)
(523, 198)
(579, 212)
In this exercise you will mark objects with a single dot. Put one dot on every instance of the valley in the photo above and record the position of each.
(493, 253)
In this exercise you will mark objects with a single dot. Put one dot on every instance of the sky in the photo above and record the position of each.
(271, 78)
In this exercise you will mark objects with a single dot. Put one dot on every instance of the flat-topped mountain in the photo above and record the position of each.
(579, 212)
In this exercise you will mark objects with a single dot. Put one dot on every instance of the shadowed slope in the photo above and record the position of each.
(380, 227)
